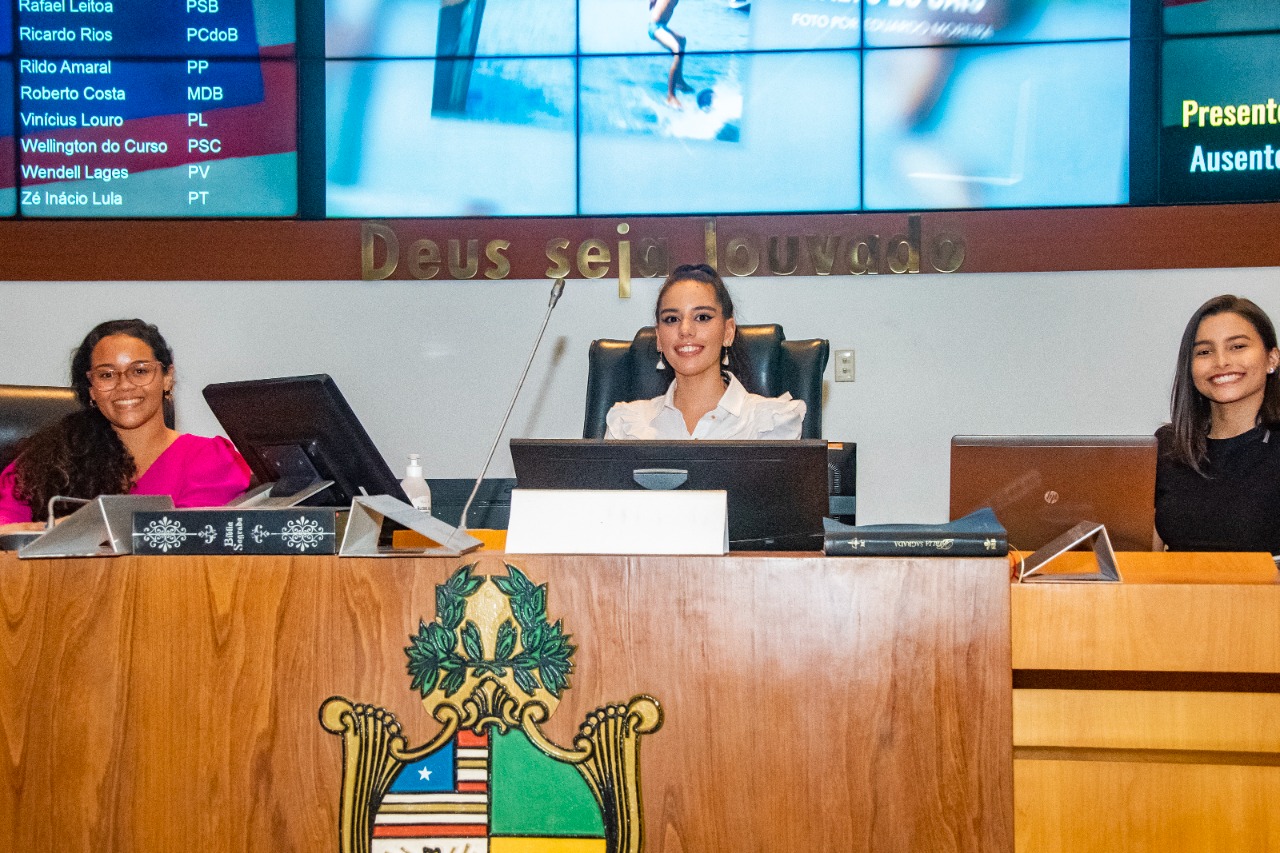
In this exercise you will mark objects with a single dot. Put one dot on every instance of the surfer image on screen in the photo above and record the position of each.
(660, 12)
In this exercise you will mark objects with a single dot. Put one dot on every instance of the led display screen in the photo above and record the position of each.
(1202, 17)
(1010, 126)
(762, 131)
(907, 23)
(136, 108)
(613, 107)
(439, 108)
(1220, 133)
(8, 190)
(398, 145)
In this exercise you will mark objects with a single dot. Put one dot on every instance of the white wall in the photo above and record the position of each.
(429, 366)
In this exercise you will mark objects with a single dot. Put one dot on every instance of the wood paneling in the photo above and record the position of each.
(1104, 807)
(1195, 613)
(1154, 719)
(1183, 237)
(1147, 719)
(166, 704)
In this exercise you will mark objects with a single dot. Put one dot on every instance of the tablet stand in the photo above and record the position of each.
(1092, 532)
(264, 496)
(103, 527)
(364, 525)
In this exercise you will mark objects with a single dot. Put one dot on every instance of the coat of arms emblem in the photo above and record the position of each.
(491, 669)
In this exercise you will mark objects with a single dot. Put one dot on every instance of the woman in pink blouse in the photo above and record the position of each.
(118, 443)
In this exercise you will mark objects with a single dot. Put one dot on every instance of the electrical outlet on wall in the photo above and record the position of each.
(844, 365)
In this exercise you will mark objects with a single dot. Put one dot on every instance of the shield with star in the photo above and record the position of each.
(491, 669)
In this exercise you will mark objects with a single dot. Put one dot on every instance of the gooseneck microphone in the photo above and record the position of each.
(557, 290)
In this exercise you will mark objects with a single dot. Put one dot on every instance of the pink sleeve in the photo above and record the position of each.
(12, 510)
(197, 472)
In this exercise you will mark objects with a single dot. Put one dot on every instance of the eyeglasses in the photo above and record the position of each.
(140, 374)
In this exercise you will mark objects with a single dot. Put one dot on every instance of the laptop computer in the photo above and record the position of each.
(1043, 485)
(777, 490)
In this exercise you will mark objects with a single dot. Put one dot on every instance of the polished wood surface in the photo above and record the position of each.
(1147, 713)
(1094, 807)
(1148, 719)
(166, 704)
(1194, 613)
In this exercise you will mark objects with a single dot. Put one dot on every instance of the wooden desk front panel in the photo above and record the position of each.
(1125, 807)
(1173, 613)
(1147, 714)
(166, 704)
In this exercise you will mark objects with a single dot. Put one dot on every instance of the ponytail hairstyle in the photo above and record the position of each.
(706, 274)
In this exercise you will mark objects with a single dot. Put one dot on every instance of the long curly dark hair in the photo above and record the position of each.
(81, 456)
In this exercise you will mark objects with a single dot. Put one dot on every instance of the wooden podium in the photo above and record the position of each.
(1147, 713)
(155, 704)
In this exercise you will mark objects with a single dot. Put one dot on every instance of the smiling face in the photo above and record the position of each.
(129, 405)
(692, 328)
(1229, 362)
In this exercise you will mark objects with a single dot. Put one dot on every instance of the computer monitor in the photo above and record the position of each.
(1040, 486)
(777, 490)
(491, 509)
(298, 429)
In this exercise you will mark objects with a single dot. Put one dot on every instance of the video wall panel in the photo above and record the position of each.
(1031, 125)
(511, 152)
(438, 108)
(741, 106)
(905, 23)
(8, 163)
(1220, 120)
(1220, 139)
(141, 109)
(1200, 17)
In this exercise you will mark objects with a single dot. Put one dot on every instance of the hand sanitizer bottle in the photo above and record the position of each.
(415, 486)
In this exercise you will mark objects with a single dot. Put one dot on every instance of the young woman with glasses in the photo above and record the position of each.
(695, 331)
(118, 443)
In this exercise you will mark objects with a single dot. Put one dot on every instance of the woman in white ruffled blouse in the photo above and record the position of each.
(695, 328)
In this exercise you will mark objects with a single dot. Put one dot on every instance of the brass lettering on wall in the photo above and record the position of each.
(823, 251)
(741, 257)
(648, 254)
(624, 263)
(594, 258)
(652, 258)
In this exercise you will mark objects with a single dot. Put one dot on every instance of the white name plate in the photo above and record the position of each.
(571, 521)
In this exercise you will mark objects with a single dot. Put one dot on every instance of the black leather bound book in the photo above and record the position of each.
(300, 530)
(978, 534)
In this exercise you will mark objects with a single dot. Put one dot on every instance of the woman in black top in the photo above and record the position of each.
(1218, 475)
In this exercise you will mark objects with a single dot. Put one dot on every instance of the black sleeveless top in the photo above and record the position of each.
(1234, 506)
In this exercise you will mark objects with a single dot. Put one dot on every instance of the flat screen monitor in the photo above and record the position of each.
(777, 490)
(1040, 486)
(299, 429)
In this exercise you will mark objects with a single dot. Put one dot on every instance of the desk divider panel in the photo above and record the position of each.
(808, 703)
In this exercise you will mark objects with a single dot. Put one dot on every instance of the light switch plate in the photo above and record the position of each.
(844, 365)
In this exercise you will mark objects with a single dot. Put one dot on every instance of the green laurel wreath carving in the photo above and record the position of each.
(544, 656)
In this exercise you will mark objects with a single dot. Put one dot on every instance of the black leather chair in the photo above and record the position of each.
(25, 409)
(767, 364)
